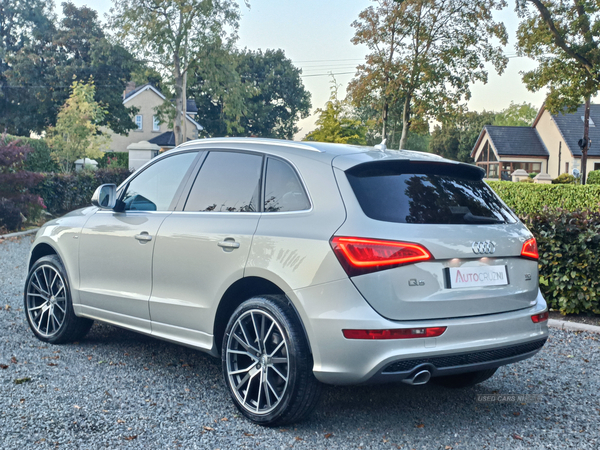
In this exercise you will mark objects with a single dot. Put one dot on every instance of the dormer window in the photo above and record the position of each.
(591, 121)
(138, 122)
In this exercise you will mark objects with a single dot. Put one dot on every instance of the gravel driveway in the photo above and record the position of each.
(121, 389)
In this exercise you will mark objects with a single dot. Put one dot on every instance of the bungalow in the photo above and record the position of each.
(549, 145)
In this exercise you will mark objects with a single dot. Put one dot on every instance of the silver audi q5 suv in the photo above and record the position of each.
(299, 264)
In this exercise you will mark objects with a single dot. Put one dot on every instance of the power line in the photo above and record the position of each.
(325, 74)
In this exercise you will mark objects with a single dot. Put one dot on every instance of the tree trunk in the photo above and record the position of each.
(384, 119)
(178, 77)
(586, 139)
(405, 122)
(184, 113)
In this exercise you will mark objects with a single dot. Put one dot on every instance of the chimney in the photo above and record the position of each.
(129, 87)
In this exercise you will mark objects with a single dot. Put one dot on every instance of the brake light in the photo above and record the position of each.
(530, 249)
(541, 317)
(403, 333)
(362, 255)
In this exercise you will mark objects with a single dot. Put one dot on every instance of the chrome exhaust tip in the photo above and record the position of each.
(419, 378)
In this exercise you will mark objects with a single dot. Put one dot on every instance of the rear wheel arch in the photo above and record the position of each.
(239, 292)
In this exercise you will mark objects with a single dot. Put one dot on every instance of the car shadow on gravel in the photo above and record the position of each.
(378, 407)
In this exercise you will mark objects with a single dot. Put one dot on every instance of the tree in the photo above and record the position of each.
(172, 35)
(53, 52)
(15, 183)
(247, 93)
(563, 37)
(22, 25)
(456, 136)
(425, 54)
(76, 133)
(335, 123)
(516, 115)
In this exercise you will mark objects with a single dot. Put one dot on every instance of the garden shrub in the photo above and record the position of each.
(569, 247)
(526, 198)
(564, 178)
(114, 160)
(593, 177)
(17, 202)
(39, 159)
(63, 192)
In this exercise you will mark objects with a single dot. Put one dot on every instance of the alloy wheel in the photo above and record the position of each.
(257, 361)
(46, 300)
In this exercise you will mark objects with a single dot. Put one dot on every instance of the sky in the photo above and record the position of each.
(316, 35)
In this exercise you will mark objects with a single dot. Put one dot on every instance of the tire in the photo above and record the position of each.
(48, 305)
(267, 364)
(463, 380)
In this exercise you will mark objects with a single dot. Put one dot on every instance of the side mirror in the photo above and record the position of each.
(105, 196)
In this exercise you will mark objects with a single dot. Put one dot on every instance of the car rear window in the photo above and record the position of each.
(426, 193)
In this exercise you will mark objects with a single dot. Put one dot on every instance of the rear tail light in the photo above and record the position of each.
(362, 255)
(530, 249)
(403, 333)
(541, 317)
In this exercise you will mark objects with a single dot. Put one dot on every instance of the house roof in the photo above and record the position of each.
(570, 126)
(514, 141)
(130, 95)
(166, 139)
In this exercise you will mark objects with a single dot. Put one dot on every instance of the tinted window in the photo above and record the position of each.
(283, 190)
(155, 187)
(407, 192)
(227, 182)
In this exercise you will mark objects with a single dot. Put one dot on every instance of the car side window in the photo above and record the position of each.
(155, 187)
(227, 182)
(283, 190)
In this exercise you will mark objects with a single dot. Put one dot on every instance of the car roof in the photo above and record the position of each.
(342, 156)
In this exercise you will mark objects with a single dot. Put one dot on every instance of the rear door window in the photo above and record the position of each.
(283, 190)
(426, 193)
(227, 182)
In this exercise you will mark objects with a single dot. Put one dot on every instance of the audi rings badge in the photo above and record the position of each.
(483, 247)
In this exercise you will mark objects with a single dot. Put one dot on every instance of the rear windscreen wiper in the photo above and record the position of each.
(470, 218)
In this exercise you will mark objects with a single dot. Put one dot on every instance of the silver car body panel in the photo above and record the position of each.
(175, 281)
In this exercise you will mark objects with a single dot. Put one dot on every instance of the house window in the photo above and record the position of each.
(591, 121)
(138, 121)
(566, 167)
(596, 166)
(155, 124)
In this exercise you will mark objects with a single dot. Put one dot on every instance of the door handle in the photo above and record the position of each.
(229, 244)
(143, 237)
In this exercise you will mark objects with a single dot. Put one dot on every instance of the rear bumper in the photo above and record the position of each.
(457, 363)
(469, 343)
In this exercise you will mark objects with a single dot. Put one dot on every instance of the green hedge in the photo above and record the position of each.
(593, 177)
(569, 247)
(63, 192)
(526, 198)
